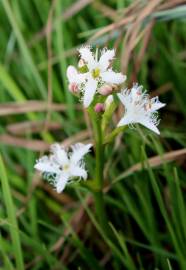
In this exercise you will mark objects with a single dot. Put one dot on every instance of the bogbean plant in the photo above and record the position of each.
(100, 89)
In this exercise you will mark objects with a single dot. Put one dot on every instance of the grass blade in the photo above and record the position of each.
(11, 217)
(22, 44)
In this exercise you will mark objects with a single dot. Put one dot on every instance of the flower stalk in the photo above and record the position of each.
(99, 178)
(110, 137)
(100, 89)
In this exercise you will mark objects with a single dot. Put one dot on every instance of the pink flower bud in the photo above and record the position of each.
(99, 107)
(73, 87)
(105, 90)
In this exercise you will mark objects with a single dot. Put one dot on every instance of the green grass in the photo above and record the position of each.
(147, 207)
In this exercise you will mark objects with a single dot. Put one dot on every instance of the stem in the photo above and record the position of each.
(109, 138)
(98, 191)
(99, 156)
(101, 212)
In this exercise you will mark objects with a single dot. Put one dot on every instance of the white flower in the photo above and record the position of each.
(139, 108)
(95, 74)
(64, 166)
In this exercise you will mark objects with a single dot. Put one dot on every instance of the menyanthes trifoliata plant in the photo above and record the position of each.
(101, 90)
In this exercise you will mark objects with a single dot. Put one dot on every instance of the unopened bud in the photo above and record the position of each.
(108, 101)
(99, 107)
(71, 72)
(73, 87)
(105, 90)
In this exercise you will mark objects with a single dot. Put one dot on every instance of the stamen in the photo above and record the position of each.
(64, 167)
(83, 69)
(95, 73)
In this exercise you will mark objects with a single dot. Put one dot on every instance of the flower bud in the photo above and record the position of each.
(108, 101)
(71, 72)
(99, 107)
(105, 90)
(73, 87)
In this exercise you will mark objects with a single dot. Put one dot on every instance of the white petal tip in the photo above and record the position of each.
(58, 190)
(35, 166)
(89, 145)
(157, 132)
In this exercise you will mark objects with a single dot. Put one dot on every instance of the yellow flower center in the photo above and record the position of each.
(95, 73)
(66, 167)
(83, 69)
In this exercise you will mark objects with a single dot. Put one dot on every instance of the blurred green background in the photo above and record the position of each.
(146, 201)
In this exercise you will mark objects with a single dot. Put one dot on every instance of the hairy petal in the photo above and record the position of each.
(77, 171)
(105, 59)
(113, 77)
(44, 164)
(78, 152)
(61, 182)
(149, 124)
(71, 73)
(75, 77)
(156, 104)
(122, 98)
(60, 154)
(90, 90)
(87, 56)
(126, 120)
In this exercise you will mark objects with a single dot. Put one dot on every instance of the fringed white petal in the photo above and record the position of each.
(87, 56)
(90, 90)
(150, 125)
(122, 98)
(75, 77)
(78, 171)
(125, 120)
(71, 73)
(44, 164)
(61, 182)
(156, 104)
(78, 152)
(60, 154)
(106, 58)
(113, 77)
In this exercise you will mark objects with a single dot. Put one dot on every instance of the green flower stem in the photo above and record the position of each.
(101, 212)
(99, 156)
(109, 138)
(98, 181)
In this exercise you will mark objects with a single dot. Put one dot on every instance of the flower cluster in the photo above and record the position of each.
(94, 75)
(61, 166)
(95, 82)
